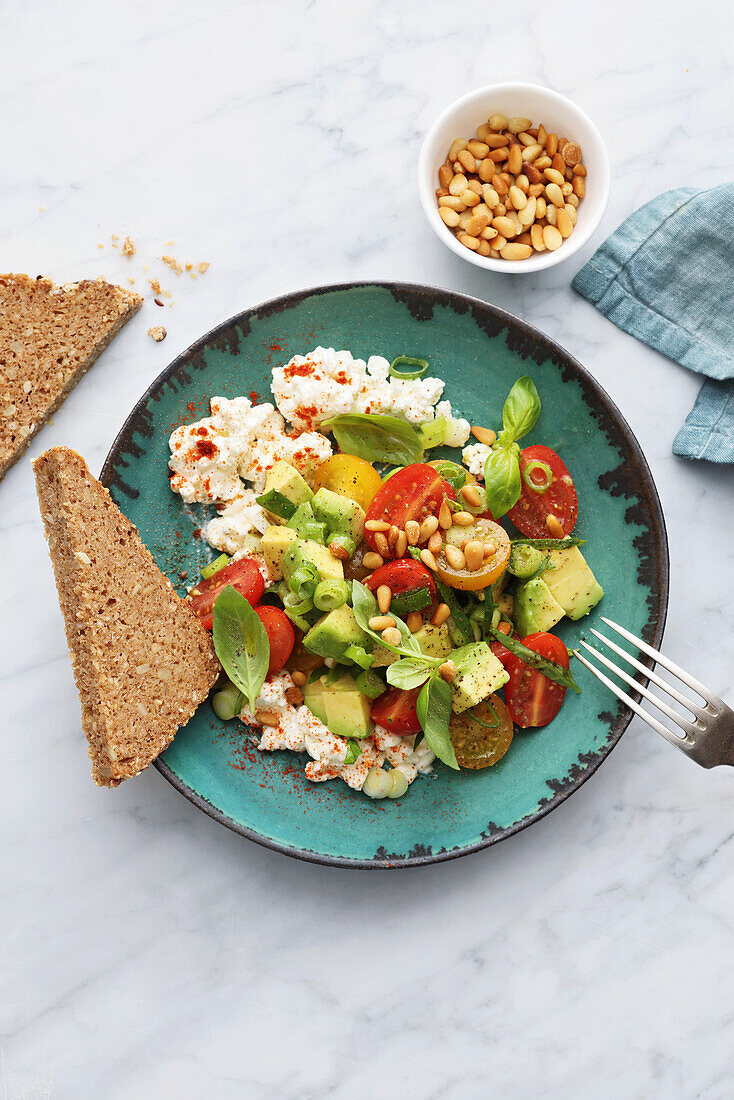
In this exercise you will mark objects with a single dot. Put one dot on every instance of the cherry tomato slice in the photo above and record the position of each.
(532, 510)
(404, 575)
(414, 492)
(281, 635)
(491, 535)
(395, 710)
(533, 699)
(479, 739)
(243, 575)
(351, 476)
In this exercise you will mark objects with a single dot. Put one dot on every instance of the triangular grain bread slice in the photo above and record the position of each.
(49, 336)
(142, 662)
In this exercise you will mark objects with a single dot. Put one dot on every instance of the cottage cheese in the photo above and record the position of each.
(301, 731)
(238, 526)
(474, 458)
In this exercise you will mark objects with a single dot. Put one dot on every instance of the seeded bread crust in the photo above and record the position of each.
(142, 661)
(49, 336)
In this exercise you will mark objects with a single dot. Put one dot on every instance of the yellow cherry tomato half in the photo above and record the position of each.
(496, 545)
(350, 476)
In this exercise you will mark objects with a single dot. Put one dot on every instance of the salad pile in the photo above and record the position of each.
(375, 613)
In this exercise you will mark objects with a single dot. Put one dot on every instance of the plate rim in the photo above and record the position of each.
(290, 298)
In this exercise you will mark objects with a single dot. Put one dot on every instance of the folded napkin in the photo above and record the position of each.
(666, 276)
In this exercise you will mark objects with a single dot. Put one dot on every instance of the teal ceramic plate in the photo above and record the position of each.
(479, 351)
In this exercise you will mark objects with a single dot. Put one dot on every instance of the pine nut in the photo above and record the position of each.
(553, 176)
(452, 202)
(527, 214)
(515, 251)
(381, 622)
(498, 155)
(579, 170)
(564, 223)
(469, 242)
(526, 138)
(401, 545)
(523, 238)
(540, 207)
(572, 153)
(414, 621)
(485, 171)
(519, 199)
(464, 218)
(392, 636)
(500, 187)
(542, 134)
(484, 435)
(455, 557)
(499, 122)
(542, 163)
(372, 560)
(491, 197)
(553, 192)
(579, 186)
(384, 597)
(476, 224)
(559, 164)
(551, 144)
(447, 671)
(531, 153)
(523, 183)
(435, 542)
(428, 560)
(338, 551)
(267, 718)
(444, 516)
(498, 243)
(456, 146)
(463, 519)
(478, 149)
(471, 494)
(514, 159)
(474, 555)
(376, 525)
(458, 185)
(517, 123)
(466, 160)
(381, 544)
(566, 189)
(571, 211)
(551, 214)
(445, 175)
(504, 225)
(392, 537)
(448, 217)
(429, 525)
(536, 238)
(483, 131)
(441, 614)
(497, 141)
(470, 197)
(572, 200)
(484, 249)
(554, 526)
(413, 532)
(298, 678)
(552, 238)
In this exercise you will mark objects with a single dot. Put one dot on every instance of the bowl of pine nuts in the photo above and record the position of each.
(514, 177)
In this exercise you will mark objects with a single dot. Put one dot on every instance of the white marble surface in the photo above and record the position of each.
(146, 951)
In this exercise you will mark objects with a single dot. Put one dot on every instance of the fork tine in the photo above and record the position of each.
(679, 742)
(688, 727)
(703, 691)
(694, 708)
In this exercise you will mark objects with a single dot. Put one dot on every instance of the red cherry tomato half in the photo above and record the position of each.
(502, 653)
(414, 492)
(395, 710)
(281, 635)
(243, 575)
(534, 506)
(532, 698)
(403, 575)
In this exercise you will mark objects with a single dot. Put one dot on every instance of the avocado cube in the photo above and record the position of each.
(341, 515)
(329, 567)
(535, 607)
(383, 657)
(572, 583)
(275, 542)
(287, 481)
(347, 709)
(334, 632)
(435, 641)
(479, 674)
(313, 697)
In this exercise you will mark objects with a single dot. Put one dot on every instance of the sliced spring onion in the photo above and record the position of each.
(370, 684)
(228, 702)
(377, 783)
(395, 470)
(404, 602)
(398, 783)
(214, 567)
(292, 602)
(538, 485)
(358, 655)
(314, 531)
(277, 504)
(455, 475)
(304, 580)
(330, 594)
(549, 544)
(354, 751)
(433, 432)
(416, 368)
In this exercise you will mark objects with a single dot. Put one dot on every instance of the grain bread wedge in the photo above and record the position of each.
(142, 661)
(49, 336)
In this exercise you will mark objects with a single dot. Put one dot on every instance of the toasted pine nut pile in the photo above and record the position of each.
(511, 191)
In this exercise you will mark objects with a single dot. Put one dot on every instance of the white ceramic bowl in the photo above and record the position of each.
(559, 115)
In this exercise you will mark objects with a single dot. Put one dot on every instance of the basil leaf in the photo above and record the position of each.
(549, 544)
(408, 673)
(241, 643)
(353, 751)
(502, 481)
(522, 408)
(555, 672)
(433, 707)
(376, 438)
(364, 606)
(461, 619)
(277, 504)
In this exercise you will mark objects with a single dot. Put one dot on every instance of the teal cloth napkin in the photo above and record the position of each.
(666, 276)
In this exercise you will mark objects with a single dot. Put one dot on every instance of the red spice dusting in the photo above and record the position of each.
(342, 378)
(197, 532)
(206, 448)
(203, 430)
(307, 414)
(275, 347)
(254, 397)
(298, 370)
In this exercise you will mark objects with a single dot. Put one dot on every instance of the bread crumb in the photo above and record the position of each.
(158, 302)
(114, 238)
(128, 247)
(169, 244)
(155, 286)
(173, 264)
(41, 209)
(131, 282)
(189, 266)
(158, 333)
(167, 294)
(100, 246)
(202, 267)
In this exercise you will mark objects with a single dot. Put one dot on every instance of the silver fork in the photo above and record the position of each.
(708, 739)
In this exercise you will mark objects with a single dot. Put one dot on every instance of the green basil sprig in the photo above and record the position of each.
(277, 504)
(241, 643)
(502, 479)
(376, 438)
(555, 672)
(433, 707)
(414, 668)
